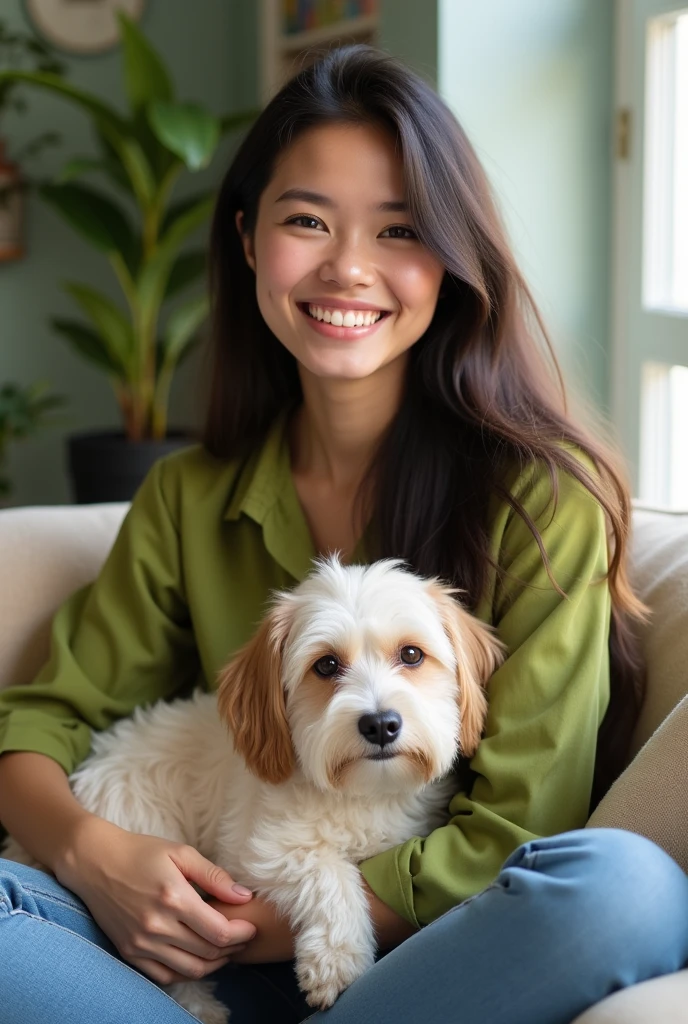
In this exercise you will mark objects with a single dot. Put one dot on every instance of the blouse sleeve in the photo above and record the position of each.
(532, 773)
(122, 641)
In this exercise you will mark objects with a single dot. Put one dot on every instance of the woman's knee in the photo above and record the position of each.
(608, 885)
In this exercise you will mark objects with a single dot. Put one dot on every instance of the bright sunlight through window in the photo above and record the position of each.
(665, 250)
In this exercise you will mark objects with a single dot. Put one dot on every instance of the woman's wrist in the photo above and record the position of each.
(78, 836)
(390, 928)
(273, 941)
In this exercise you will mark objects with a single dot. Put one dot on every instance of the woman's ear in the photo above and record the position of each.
(246, 240)
(250, 699)
(478, 654)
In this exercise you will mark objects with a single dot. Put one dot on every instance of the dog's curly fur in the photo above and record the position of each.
(299, 798)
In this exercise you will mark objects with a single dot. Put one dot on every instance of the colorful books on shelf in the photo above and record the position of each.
(301, 15)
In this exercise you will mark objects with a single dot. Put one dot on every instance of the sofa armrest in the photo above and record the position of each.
(660, 1000)
(46, 553)
(651, 797)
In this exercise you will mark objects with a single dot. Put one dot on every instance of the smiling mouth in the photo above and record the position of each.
(303, 306)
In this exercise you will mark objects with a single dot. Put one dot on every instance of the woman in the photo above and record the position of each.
(377, 389)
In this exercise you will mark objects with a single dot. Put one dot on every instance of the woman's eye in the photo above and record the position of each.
(411, 655)
(398, 231)
(312, 221)
(327, 666)
(410, 233)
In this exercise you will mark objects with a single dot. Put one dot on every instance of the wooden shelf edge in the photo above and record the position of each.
(290, 42)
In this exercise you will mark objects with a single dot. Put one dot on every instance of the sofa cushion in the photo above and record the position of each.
(659, 570)
(659, 1001)
(651, 796)
(46, 553)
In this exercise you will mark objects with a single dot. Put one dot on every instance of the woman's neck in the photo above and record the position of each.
(337, 429)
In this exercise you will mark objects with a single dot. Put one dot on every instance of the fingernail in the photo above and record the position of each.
(241, 890)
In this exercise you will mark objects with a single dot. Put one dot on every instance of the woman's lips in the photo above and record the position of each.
(342, 333)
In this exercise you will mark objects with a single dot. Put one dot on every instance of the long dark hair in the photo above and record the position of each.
(484, 389)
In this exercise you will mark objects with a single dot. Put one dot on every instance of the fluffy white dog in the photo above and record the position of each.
(347, 710)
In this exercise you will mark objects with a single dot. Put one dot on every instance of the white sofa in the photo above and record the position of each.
(47, 552)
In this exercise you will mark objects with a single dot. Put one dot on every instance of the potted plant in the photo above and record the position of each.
(142, 233)
(23, 411)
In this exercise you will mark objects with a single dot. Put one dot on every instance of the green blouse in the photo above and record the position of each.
(202, 546)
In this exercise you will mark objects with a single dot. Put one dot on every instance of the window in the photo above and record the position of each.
(665, 249)
(650, 356)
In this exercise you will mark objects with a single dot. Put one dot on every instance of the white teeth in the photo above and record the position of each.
(345, 317)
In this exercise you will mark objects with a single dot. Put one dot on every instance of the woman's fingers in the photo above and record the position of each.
(188, 940)
(164, 974)
(210, 925)
(211, 877)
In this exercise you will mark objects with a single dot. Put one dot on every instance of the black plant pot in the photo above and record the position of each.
(108, 467)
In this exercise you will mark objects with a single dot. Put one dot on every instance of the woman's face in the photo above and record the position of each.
(334, 242)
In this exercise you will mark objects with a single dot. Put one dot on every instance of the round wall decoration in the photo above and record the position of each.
(81, 26)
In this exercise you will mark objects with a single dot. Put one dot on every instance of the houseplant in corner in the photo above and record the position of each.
(142, 233)
(24, 410)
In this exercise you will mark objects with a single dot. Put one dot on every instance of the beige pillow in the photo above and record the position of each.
(651, 797)
(659, 569)
(659, 1001)
(46, 553)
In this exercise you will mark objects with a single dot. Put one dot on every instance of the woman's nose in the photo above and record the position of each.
(349, 265)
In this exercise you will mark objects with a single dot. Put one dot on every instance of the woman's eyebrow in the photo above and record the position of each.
(306, 196)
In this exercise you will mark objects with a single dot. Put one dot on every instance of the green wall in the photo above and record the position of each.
(531, 81)
(201, 54)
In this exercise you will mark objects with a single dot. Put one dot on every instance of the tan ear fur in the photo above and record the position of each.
(478, 654)
(250, 699)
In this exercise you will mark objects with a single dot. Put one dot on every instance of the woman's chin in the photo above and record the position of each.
(340, 369)
(349, 365)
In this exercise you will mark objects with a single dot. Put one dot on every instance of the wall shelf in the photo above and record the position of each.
(283, 54)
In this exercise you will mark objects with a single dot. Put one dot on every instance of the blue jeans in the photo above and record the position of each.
(570, 919)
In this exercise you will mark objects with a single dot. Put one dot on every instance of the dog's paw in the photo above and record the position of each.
(197, 997)
(323, 977)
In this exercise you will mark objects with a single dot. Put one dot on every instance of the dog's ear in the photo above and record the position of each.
(250, 699)
(478, 654)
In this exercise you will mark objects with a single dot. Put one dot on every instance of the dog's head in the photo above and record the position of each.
(366, 676)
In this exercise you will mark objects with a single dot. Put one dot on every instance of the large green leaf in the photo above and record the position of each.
(80, 165)
(186, 269)
(181, 206)
(96, 217)
(110, 323)
(135, 165)
(88, 344)
(138, 181)
(233, 122)
(152, 283)
(178, 230)
(191, 132)
(145, 76)
(53, 83)
(112, 160)
(182, 325)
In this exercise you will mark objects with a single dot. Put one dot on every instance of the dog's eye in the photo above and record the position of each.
(327, 666)
(411, 655)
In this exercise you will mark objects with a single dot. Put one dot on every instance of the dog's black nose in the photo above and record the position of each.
(384, 727)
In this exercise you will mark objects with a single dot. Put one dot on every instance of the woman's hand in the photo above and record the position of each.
(138, 889)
